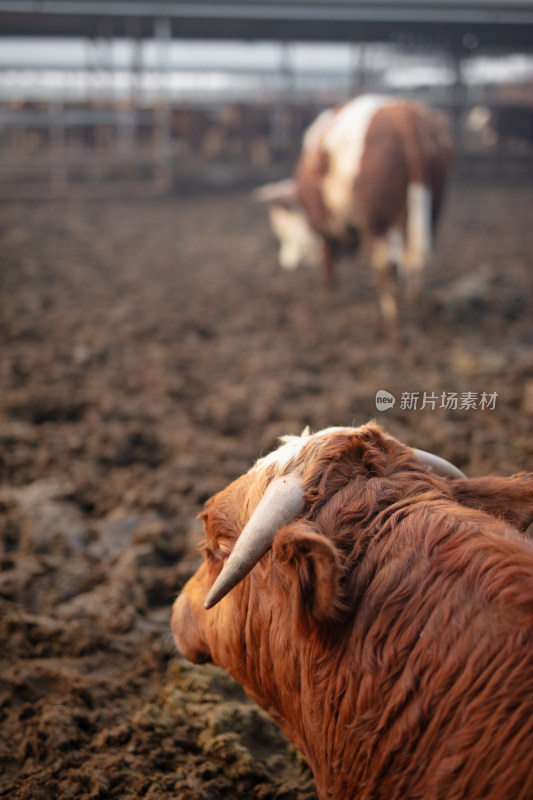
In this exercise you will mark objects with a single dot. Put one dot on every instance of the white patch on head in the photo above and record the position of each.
(285, 454)
(344, 142)
(291, 446)
(299, 244)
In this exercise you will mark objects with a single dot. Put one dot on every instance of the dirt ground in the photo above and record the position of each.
(150, 351)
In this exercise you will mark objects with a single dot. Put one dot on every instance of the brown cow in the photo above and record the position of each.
(370, 172)
(379, 606)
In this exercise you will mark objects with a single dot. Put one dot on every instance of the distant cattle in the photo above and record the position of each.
(504, 126)
(371, 172)
(379, 605)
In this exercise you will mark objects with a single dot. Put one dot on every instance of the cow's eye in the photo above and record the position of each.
(216, 550)
(215, 555)
(222, 552)
(225, 546)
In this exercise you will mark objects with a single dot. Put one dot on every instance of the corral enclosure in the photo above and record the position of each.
(151, 349)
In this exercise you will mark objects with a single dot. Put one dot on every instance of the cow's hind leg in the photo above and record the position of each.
(386, 275)
(328, 265)
(413, 277)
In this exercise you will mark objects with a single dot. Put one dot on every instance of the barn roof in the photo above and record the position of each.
(503, 25)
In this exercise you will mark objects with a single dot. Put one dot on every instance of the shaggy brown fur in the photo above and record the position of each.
(389, 632)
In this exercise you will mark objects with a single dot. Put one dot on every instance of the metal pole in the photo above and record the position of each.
(458, 99)
(281, 123)
(59, 155)
(359, 69)
(163, 143)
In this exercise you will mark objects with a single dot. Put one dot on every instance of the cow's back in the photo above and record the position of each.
(406, 144)
(358, 160)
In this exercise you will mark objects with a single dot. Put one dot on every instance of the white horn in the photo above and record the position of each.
(281, 503)
(439, 465)
(280, 190)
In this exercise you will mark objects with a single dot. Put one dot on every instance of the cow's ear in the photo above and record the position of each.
(510, 499)
(309, 567)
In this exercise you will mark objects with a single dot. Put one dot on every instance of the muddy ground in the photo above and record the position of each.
(150, 351)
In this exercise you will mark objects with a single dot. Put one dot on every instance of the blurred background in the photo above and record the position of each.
(150, 92)
(151, 348)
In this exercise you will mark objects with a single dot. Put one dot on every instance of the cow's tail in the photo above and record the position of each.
(419, 225)
(419, 231)
(418, 243)
(417, 143)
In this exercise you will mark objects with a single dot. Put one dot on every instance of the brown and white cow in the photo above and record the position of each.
(379, 606)
(371, 172)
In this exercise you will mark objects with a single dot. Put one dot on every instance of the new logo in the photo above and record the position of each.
(384, 400)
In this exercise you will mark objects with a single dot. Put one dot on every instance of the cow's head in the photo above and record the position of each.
(272, 566)
(299, 244)
(310, 560)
